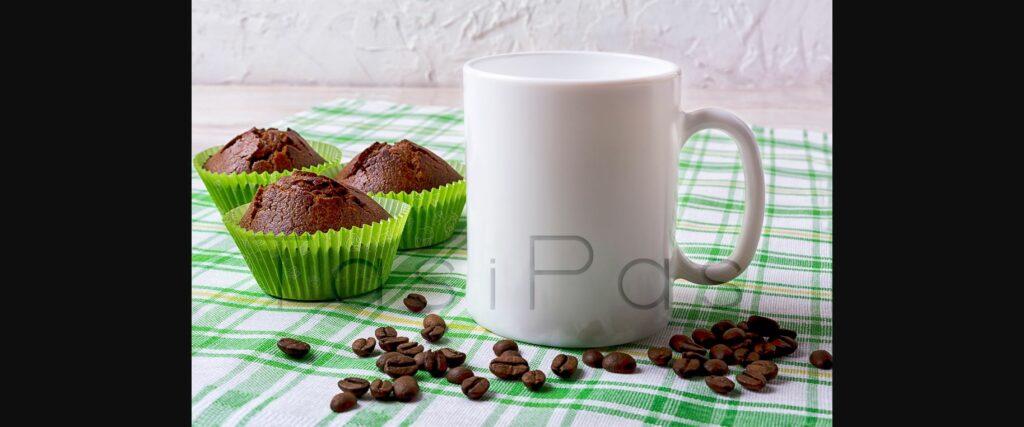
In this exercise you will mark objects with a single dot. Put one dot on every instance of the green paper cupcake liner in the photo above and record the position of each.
(435, 212)
(325, 265)
(229, 190)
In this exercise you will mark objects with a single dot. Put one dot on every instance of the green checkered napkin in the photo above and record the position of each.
(239, 376)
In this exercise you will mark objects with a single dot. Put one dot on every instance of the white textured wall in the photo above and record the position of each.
(722, 44)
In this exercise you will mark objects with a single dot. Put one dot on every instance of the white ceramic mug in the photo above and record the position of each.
(572, 168)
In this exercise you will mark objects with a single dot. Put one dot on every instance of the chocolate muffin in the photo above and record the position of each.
(264, 150)
(404, 166)
(307, 202)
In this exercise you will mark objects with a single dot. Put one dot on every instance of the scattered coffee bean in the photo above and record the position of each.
(381, 389)
(821, 359)
(784, 345)
(733, 336)
(419, 360)
(433, 320)
(455, 358)
(719, 384)
(754, 337)
(457, 375)
(534, 380)
(592, 358)
(400, 365)
(410, 348)
(512, 353)
(384, 358)
(293, 347)
(751, 380)
(763, 325)
(505, 345)
(683, 343)
(385, 332)
(766, 367)
(716, 367)
(356, 386)
(787, 333)
(745, 356)
(406, 388)
(745, 343)
(743, 325)
(475, 387)
(415, 302)
(363, 347)
(704, 337)
(690, 365)
(343, 401)
(722, 352)
(433, 333)
(435, 363)
(391, 343)
(659, 355)
(509, 367)
(564, 365)
(719, 328)
(619, 363)
(765, 349)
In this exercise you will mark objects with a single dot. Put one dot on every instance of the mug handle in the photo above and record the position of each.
(753, 211)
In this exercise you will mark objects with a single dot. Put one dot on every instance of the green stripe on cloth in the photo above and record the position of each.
(240, 378)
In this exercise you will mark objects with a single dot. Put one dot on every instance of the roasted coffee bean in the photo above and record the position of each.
(619, 363)
(457, 375)
(385, 332)
(475, 387)
(766, 350)
(821, 359)
(435, 363)
(343, 401)
(704, 337)
(406, 388)
(534, 380)
(784, 345)
(512, 353)
(722, 352)
(410, 348)
(509, 367)
(455, 358)
(689, 365)
(743, 325)
(415, 302)
(751, 380)
(564, 365)
(683, 343)
(391, 343)
(716, 367)
(381, 389)
(719, 328)
(363, 347)
(592, 358)
(763, 325)
(419, 360)
(753, 336)
(356, 386)
(400, 365)
(433, 333)
(503, 346)
(747, 344)
(384, 358)
(787, 333)
(293, 347)
(733, 336)
(719, 384)
(745, 356)
(766, 367)
(659, 355)
(433, 320)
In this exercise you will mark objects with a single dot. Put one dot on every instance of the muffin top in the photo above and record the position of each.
(307, 202)
(264, 150)
(404, 166)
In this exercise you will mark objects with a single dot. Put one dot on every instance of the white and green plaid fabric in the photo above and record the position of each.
(240, 377)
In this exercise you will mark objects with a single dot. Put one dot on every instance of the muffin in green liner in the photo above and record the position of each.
(324, 265)
(435, 212)
(229, 190)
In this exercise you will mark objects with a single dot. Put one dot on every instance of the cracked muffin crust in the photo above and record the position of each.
(405, 166)
(307, 202)
(264, 150)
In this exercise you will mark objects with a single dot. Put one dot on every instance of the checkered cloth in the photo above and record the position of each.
(240, 377)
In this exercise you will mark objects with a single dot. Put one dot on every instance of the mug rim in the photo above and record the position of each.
(471, 68)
